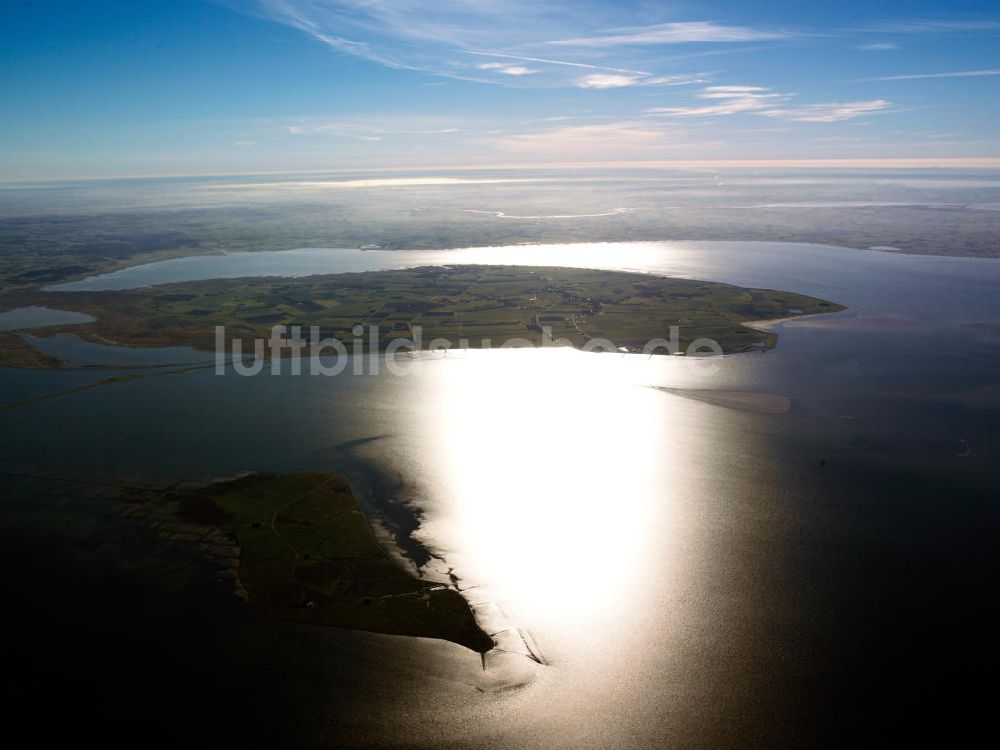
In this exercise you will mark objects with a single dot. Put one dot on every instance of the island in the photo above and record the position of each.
(307, 553)
(474, 304)
(297, 546)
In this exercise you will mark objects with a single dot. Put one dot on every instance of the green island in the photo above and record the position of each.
(480, 305)
(308, 554)
(297, 546)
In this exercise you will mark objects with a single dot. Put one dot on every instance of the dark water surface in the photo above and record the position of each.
(695, 574)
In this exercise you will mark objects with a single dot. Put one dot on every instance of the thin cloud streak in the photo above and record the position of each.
(878, 47)
(933, 26)
(730, 100)
(548, 61)
(956, 74)
(372, 129)
(606, 81)
(832, 112)
(616, 80)
(510, 70)
(675, 33)
(759, 100)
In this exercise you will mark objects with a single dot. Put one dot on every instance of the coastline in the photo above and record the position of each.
(515, 658)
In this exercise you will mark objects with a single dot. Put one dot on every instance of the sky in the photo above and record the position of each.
(110, 88)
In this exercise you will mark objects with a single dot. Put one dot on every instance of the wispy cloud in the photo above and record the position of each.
(674, 33)
(829, 112)
(619, 80)
(509, 70)
(934, 26)
(371, 129)
(333, 129)
(606, 81)
(444, 38)
(549, 61)
(450, 38)
(617, 140)
(613, 58)
(954, 74)
(729, 100)
(758, 100)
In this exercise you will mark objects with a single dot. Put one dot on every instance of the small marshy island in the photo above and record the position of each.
(306, 553)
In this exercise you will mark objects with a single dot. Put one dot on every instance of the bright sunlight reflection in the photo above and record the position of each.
(548, 492)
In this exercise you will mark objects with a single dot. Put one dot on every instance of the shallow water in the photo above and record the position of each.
(694, 575)
(76, 352)
(39, 317)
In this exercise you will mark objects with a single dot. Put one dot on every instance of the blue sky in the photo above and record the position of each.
(195, 86)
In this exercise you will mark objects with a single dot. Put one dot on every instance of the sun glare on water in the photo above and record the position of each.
(550, 474)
